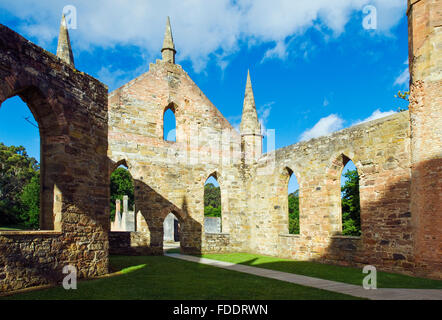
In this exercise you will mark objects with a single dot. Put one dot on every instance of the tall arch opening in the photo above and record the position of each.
(293, 203)
(350, 202)
(169, 124)
(20, 171)
(171, 232)
(122, 199)
(212, 205)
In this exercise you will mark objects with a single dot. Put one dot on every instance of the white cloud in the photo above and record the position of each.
(403, 78)
(333, 123)
(377, 114)
(263, 116)
(323, 127)
(202, 29)
(115, 78)
(110, 77)
(278, 51)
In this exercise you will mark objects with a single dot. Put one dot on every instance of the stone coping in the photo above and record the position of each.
(31, 233)
(289, 235)
(345, 237)
(217, 233)
(123, 231)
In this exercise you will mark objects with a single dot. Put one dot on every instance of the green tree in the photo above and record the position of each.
(403, 96)
(121, 184)
(351, 209)
(30, 203)
(210, 211)
(16, 171)
(212, 200)
(294, 212)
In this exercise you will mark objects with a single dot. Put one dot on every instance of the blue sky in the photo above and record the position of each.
(315, 69)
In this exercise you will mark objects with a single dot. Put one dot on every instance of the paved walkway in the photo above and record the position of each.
(349, 289)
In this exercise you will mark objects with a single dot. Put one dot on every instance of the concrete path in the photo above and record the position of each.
(349, 289)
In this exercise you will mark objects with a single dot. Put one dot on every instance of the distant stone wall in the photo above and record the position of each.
(71, 110)
(212, 224)
(131, 243)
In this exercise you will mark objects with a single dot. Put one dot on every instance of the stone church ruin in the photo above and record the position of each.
(86, 133)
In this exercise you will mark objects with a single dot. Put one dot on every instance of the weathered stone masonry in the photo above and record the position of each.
(255, 196)
(380, 151)
(425, 53)
(85, 137)
(70, 108)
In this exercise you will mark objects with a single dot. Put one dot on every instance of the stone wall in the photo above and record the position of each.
(130, 243)
(216, 243)
(169, 176)
(380, 151)
(425, 47)
(71, 110)
(212, 224)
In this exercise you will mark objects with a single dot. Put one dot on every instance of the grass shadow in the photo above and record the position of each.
(165, 278)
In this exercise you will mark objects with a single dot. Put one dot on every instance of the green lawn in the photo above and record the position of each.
(11, 228)
(324, 271)
(150, 277)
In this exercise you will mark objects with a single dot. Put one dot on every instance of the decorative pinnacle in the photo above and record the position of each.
(249, 122)
(64, 50)
(168, 51)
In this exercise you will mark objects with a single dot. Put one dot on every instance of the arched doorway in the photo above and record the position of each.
(20, 185)
(171, 233)
(122, 199)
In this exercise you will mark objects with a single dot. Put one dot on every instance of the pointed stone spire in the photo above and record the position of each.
(249, 122)
(168, 51)
(64, 50)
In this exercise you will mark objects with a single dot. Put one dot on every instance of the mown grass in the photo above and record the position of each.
(325, 271)
(12, 228)
(150, 278)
